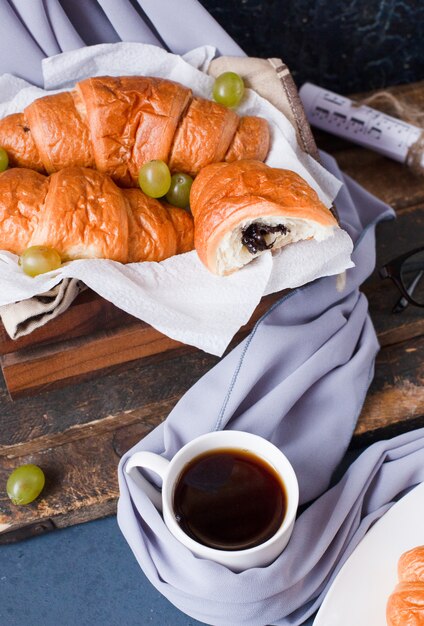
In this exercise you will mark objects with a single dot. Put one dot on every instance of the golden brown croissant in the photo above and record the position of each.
(116, 124)
(405, 606)
(243, 208)
(84, 215)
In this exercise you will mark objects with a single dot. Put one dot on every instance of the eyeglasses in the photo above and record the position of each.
(407, 272)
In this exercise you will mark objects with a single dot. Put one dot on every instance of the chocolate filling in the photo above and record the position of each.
(253, 237)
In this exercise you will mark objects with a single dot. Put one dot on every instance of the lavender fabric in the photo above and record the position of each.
(299, 380)
(33, 30)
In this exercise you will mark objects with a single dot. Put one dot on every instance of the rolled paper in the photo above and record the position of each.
(363, 125)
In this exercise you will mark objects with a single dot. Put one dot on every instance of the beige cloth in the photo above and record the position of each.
(272, 80)
(23, 317)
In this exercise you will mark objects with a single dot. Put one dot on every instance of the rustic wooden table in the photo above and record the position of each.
(77, 434)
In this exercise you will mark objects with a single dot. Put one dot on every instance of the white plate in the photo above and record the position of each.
(359, 593)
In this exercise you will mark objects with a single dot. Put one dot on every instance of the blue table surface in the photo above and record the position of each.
(85, 575)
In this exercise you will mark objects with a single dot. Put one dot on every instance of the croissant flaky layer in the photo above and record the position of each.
(116, 124)
(405, 606)
(83, 214)
(243, 208)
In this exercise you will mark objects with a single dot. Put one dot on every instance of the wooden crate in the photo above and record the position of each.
(93, 335)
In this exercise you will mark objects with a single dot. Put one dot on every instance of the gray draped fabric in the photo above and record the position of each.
(32, 30)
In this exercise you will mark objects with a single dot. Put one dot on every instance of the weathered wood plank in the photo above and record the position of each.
(390, 181)
(80, 481)
(395, 401)
(35, 369)
(145, 388)
(146, 417)
(43, 367)
(80, 468)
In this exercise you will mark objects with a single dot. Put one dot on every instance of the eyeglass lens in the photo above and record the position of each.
(412, 276)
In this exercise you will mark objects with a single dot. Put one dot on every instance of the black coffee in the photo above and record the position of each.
(229, 499)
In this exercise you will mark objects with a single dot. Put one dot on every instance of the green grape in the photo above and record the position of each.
(228, 89)
(155, 178)
(39, 259)
(179, 192)
(25, 484)
(4, 160)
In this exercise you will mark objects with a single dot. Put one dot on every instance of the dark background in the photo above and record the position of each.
(344, 45)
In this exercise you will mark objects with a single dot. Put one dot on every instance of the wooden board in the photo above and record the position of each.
(42, 367)
(77, 434)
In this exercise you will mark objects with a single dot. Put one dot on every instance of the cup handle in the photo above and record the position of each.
(150, 461)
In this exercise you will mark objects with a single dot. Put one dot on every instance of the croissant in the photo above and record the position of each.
(243, 208)
(84, 215)
(405, 606)
(116, 124)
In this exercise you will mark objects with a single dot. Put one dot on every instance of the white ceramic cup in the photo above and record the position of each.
(170, 471)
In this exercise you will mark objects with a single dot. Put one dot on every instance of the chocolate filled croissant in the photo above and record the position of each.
(243, 208)
(116, 124)
(405, 606)
(84, 215)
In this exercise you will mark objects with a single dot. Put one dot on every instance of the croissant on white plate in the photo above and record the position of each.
(116, 124)
(83, 215)
(405, 606)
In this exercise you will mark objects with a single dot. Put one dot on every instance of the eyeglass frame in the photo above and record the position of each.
(392, 270)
